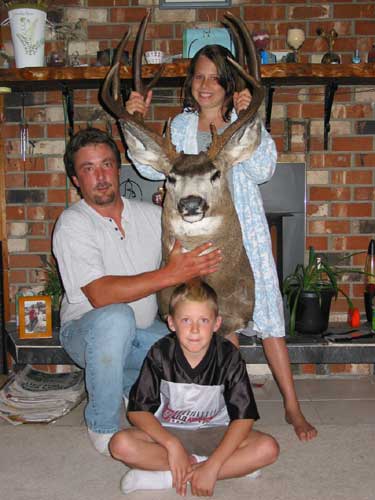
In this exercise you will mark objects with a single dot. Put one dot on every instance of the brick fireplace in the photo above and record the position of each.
(340, 194)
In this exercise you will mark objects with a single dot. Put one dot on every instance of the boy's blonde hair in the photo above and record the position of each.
(195, 291)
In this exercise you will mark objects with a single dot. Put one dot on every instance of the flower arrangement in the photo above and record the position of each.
(29, 4)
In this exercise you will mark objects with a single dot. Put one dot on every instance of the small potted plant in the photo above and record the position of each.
(53, 288)
(309, 291)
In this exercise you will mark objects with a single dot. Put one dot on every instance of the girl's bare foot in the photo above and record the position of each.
(304, 430)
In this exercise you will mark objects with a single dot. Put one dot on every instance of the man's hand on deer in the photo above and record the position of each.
(201, 261)
(241, 100)
(136, 103)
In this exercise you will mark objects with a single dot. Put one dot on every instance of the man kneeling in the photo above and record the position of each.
(192, 407)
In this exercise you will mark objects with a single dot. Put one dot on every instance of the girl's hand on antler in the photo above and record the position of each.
(136, 103)
(241, 100)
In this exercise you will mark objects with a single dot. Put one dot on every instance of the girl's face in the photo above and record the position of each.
(205, 87)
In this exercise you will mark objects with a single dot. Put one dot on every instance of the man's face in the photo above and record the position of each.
(194, 324)
(97, 174)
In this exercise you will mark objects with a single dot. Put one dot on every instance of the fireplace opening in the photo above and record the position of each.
(284, 200)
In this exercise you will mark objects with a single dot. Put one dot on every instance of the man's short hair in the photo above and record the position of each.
(195, 291)
(84, 138)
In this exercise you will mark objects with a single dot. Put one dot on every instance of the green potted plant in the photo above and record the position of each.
(309, 291)
(53, 288)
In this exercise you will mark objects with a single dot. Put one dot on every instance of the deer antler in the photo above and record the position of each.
(110, 93)
(240, 33)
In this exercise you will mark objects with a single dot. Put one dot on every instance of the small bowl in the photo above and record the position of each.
(154, 56)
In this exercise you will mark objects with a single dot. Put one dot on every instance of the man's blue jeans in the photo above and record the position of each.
(107, 344)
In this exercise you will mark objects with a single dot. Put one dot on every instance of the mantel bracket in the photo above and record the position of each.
(329, 95)
(268, 102)
(68, 96)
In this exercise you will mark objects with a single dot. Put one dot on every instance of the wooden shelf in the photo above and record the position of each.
(68, 79)
(273, 75)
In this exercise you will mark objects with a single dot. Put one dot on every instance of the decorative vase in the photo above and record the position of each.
(27, 27)
(331, 58)
(312, 314)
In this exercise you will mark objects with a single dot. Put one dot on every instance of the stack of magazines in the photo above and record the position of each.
(33, 396)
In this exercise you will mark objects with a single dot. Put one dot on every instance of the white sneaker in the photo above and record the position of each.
(100, 441)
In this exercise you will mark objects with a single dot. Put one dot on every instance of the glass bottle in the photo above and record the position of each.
(370, 268)
(369, 293)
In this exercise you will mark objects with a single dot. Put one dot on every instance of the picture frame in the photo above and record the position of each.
(35, 317)
(191, 4)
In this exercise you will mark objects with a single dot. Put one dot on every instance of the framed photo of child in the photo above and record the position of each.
(35, 318)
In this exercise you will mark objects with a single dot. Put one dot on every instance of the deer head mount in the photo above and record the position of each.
(198, 206)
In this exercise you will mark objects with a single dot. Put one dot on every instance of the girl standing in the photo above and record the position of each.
(210, 98)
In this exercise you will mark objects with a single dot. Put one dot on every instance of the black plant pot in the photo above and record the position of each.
(312, 314)
(55, 318)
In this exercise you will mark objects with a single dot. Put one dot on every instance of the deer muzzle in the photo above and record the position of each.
(192, 208)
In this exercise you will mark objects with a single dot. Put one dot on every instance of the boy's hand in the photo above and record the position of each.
(136, 103)
(180, 466)
(203, 479)
(241, 100)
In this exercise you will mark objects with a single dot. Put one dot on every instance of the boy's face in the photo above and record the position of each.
(194, 324)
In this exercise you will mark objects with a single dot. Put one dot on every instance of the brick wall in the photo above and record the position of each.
(340, 180)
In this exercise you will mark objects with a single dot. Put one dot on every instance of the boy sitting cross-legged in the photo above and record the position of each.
(192, 398)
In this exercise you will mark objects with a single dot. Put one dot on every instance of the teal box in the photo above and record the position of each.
(196, 38)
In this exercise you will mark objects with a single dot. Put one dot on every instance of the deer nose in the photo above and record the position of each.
(191, 205)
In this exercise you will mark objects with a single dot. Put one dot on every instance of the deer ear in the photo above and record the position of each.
(144, 150)
(242, 144)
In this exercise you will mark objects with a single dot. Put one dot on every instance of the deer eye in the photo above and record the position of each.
(171, 179)
(215, 176)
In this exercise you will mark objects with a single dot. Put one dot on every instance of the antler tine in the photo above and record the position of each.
(137, 55)
(137, 60)
(111, 98)
(219, 141)
(238, 48)
(110, 93)
(250, 50)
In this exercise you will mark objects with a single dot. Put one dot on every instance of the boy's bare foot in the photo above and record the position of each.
(304, 430)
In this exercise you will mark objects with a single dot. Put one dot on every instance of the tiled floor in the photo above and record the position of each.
(56, 461)
(324, 400)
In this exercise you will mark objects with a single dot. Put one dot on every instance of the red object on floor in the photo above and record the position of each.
(354, 317)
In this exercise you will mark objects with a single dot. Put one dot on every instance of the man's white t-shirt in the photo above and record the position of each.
(89, 246)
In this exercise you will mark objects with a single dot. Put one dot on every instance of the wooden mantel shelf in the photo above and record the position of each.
(273, 75)
(68, 79)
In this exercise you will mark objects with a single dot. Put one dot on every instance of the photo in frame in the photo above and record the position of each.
(35, 318)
